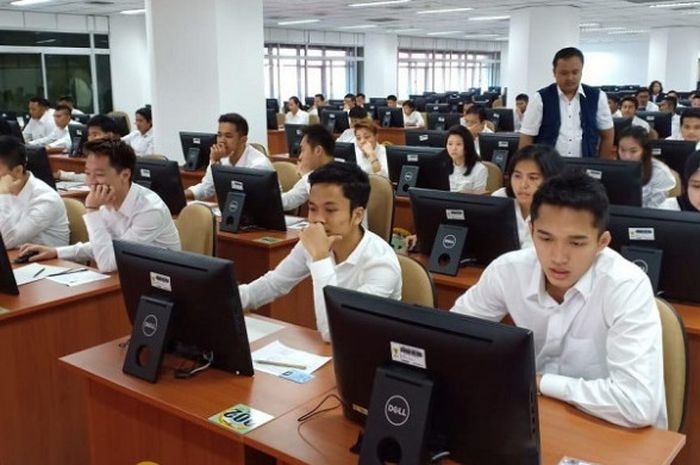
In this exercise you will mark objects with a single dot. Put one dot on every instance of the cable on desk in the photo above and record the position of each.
(315, 411)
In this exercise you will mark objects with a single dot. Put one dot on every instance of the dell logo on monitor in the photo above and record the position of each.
(397, 411)
(149, 325)
(449, 241)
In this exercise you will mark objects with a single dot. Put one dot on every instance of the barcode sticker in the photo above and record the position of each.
(409, 355)
(641, 234)
(595, 174)
(145, 173)
(656, 151)
(503, 143)
(454, 214)
(423, 137)
(237, 185)
(412, 158)
(196, 140)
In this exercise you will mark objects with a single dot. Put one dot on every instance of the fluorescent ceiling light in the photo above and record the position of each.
(488, 18)
(384, 2)
(298, 21)
(443, 10)
(28, 2)
(501, 39)
(133, 12)
(442, 33)
(404, 31)
(360, 26)
(480, 36)
(603, 29)
(674, 5)
(631, 31)
(589, 25)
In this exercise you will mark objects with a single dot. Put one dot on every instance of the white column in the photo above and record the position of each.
(536, 34)
(206, 59)
(131, 81)
(673, 57)
(381, 65)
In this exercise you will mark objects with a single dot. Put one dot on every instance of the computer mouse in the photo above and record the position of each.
(24, 258)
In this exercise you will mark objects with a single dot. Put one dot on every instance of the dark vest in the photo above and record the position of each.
(551, 119)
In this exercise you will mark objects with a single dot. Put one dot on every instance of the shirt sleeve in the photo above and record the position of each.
(381, 156)
(296, 196)
(603, 116)
(532, 119)
(64, 142)
(632, 394)
(36, 217)
(485, 299)
(206, 186)
(82, 251)
(481, 176)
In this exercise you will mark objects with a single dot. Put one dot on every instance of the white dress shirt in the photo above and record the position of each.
(617, 114)
(415, 119)
(523, 224)
(347, 136)
(143, 217)
(486, 130)
(371, 268)
(38, 128)
(600, 349)
(570, 131)
(251, 158)
(655, 192)
(297, 195)
(637, 121)
(670, 203)
(676, 125)
(651, 106)
(364, 163)
(141, 143)
(301, 117)
(36, 215)
(58, 138)
(475, 181)
(517, 120)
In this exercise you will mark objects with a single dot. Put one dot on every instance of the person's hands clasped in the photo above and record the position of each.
(100, 194)
(316, 242)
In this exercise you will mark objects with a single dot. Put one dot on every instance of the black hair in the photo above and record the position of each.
(66, 98)
(350, 96)
(672, 100)
(546, 157)
(12, 152)
(470, 155)
(360, 94)
(641, 136)
(629, 98)
(479, 111)
(409, 104)
(641, 90)
(146, 113)
(121, 155)
(523, 97)
(357, 112)
(614, 98)
(694, 95)
(104, 122)
(566, 53)
(237, 120)
(321, 97)
(354, 181)
(573, 189)
(692, 165)
(392, 97)
(316, 135)
(690, 113)
(661, 86)
(40, 100)
(295, 100)
(62, 107)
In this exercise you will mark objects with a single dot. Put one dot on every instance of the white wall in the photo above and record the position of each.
(381, 65)
(131, 78)
(616, 62)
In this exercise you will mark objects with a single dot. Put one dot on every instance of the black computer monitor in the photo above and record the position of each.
(7, 114)
(80, 118)
(443, 121)
(426, 138)
(334, 120)
(207, 314)
(263, 201)
(163, 178)
(378, 101)
(336, 104)
(498, 147)
(390, 117)
(674, 233)
(660, 121)
(455, 103)
(272, 104)
(8, 284)
(196, 147)
(502, 118)
(438, 108)
(622, 179)
(484, 399)
(491, 223)
(294, 134)
(14, 129)
(673, 152)
(122, 125)
(345, 151)
(620, 125)
(271, 117)
(38, 164)
(309, 102)
(420, 103)
(494, 90)
(432, 162)
(78, 136)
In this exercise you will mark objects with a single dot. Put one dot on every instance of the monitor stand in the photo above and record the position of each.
(446, 255)
(192, 161)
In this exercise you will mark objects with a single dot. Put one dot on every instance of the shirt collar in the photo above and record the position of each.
(129, 204)
(357, 255)
(28, 190)
(579, 91)
(536, 289)
(242, 161)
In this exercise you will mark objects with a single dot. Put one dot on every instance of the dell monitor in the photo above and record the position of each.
(437, 108)
(622, 179)
(80, 118)
(390, 117)
(345, 151)
(443, 121)
(262, 208)
(78, 136)
(8, 284)
(620, 125)
(163, 178)
(271, 119)
(309, 102)
(335, 120)
(294, 134)
(671, 233)
(7, 114)
(206, 309)
(38, 164)
(492, 227)
(337, 104)
(673, 152)
(426, 138)
(660, 121)
(378, 101)
(502, 118)
(196, 147)
(483, 404)
(272, 104)
(498, 147)
(13, 129)
(432, 162)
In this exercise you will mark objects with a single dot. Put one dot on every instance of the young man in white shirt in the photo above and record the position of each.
(349, 102)
(68, 101)
(98, 127)
(411, 117)
(593, 315)
(295, 115)
(41, 123)
(141, 140)
(231, 149)
(59, 140)
(475, 120)
(644, 100)
(669, 104)
(360, 100)
(521, 101)
(30, 210)
(392, 101)
(335, 249)
(319, 102)
(628, 109)
(690, 127)
(117, 208)
(356, 115)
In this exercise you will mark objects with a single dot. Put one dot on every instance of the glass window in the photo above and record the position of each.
(70, 75)
(20, 80)
(104, 83)
(101, 41)
(44, 39)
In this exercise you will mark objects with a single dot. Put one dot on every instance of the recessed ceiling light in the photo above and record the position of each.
(674, 5)
(404, 31)
(133, 12)
(28, 2)
(488, 18)
(443, 10)
(360, 26)
(380, 3)
(443, 33)
(298, 21)
(480, 36)
(589, 25)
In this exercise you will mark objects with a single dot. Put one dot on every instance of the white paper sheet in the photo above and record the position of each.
(78, 278)
(258, 329)
(278, 352)
(28, 273)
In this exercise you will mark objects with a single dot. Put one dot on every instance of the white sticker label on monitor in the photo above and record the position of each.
(412, 158)
(196, 140)
(423, 137)
(503, 143)
(651, 118)
(237, 185)
(641, 234)
(595, 174)
(656, 151)
(145, 173)
(454, 214)
(409, 355)
(160, 281)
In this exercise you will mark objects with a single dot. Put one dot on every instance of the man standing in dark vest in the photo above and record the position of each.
(573, 117)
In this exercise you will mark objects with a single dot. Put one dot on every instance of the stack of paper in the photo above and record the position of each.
(76, 279)
(258, 328)
(34, 272)
(279, 358)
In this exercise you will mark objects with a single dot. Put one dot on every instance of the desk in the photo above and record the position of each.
(74, 194)
(276, 141)
(167, 422)
(396, 136)
(403, 214)
(43, 408)
(449, 288)
(191, 178)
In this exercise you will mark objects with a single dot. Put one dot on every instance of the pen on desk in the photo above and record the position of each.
(281, 364)
(41, 270)
(69, 271)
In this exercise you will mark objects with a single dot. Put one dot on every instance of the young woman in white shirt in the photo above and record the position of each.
(141, 140)
(689, 200)
(529, 168)
(657, 179)
(370, 155)
(295, 115)
(468, 173)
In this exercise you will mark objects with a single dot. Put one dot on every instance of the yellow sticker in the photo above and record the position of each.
(240, 418)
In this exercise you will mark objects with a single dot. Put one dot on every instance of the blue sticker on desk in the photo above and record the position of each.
(297, 376)
(240, 418)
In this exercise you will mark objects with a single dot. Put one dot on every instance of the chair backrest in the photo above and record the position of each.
(314, 119)
(675, 348)
(678, 190)
(380, 208)
(196, 225)
(260, 148)
(280, 119)
(287, 174)
(75, 211)
(653, 135)
(122, 114)
(417, 286)
(154, 156)
(495, 176)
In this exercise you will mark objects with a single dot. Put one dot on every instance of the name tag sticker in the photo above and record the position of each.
(237, 185)
(240, 418)
(595, 174)
(423, 137)
(641, 234)
(196, 140)
(145, 173)
(161, 281)
(503, 143)
(412, 158)
(408, 355)
(454, 214)
(656, 152)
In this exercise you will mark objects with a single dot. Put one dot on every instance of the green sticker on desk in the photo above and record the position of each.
(3, 310)
(268, 240)
(240, 418)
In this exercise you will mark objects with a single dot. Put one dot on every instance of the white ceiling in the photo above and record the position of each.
(633, 18)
